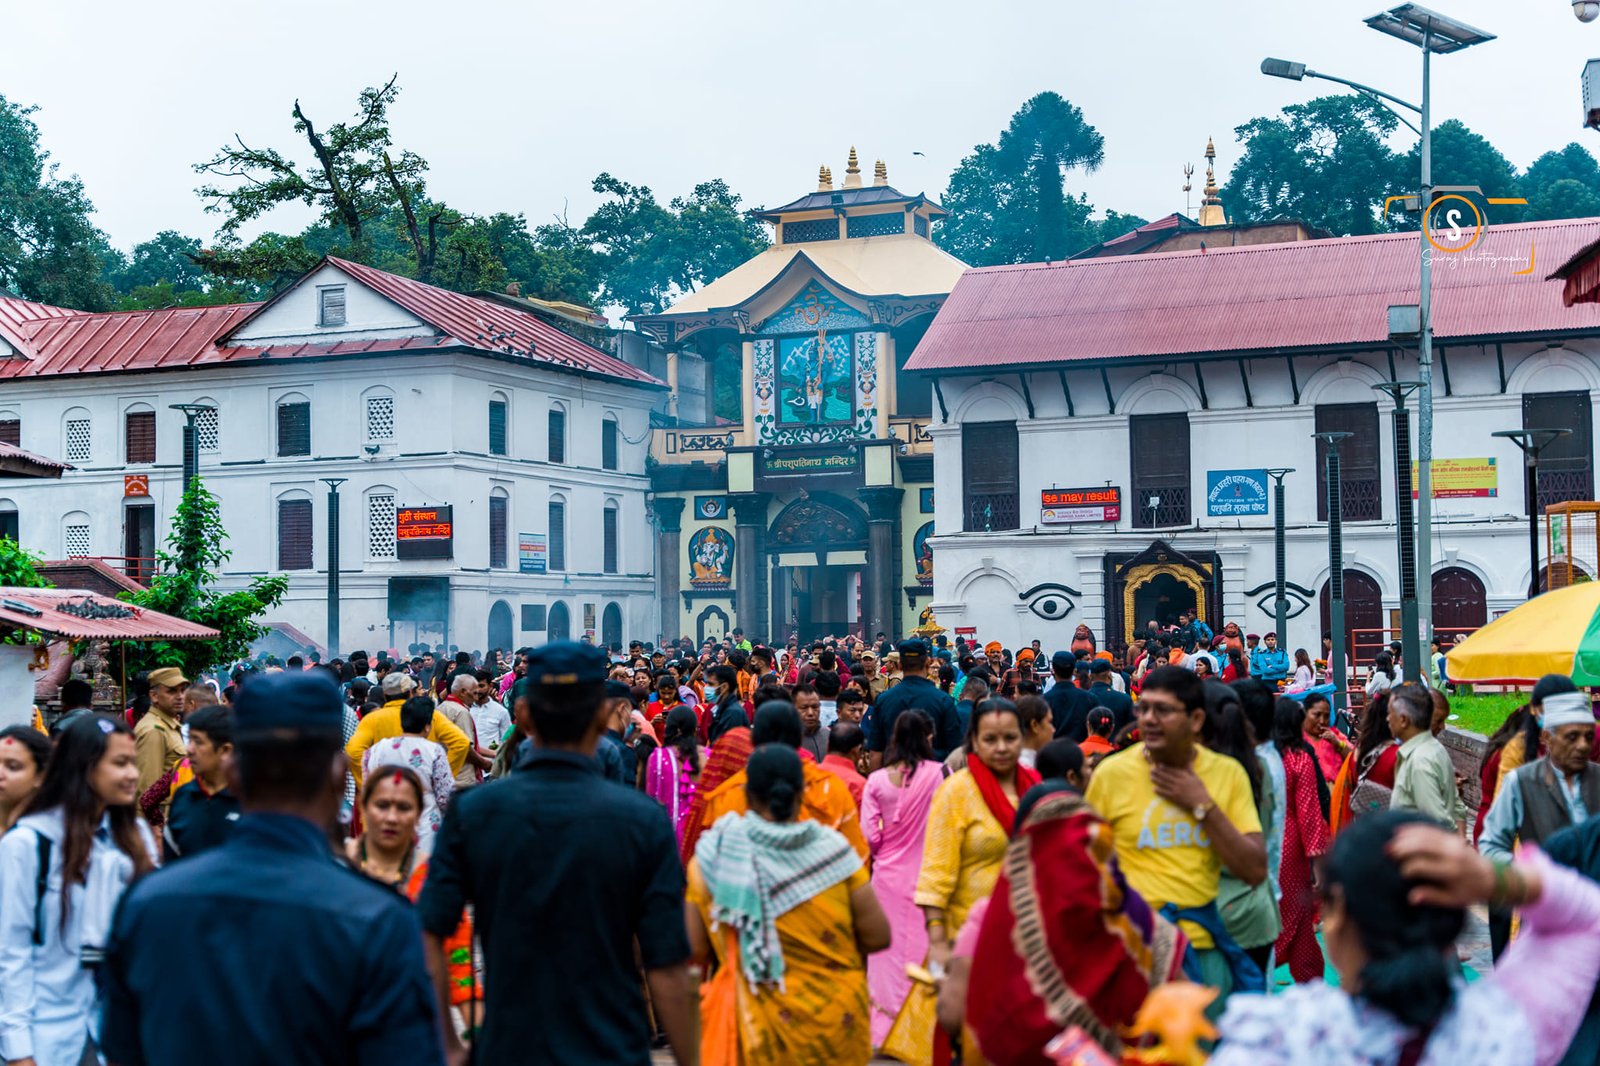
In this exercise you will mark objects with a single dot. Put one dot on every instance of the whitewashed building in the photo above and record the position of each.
(442, 409)
(1093, 418)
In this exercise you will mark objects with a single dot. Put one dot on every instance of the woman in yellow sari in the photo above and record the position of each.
(788, 910)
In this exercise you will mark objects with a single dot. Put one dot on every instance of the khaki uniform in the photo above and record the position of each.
(158, 746)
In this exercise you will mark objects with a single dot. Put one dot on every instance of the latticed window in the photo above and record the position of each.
(811, 229)
(80, 438)
(380, 418)
(989, 476)
(1159, 447)
(1566, 466)
(883, 225)
(77, 540)
(380, 525)
(208, 430)
(1360, 461)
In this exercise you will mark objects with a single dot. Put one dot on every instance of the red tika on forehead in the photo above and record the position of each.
(398, 778)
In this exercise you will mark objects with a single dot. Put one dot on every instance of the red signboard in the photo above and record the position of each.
(135, 484)
(966, 631)
(1060, 507)
(423, 532)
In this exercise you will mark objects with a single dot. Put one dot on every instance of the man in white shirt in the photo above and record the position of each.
(488, 714)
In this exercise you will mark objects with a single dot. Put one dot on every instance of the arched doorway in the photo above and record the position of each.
(500, 631)
(611, 627)
(1363, 609)
(558, 624)
(1163, 598)
(811, 587)
(1460, 602)
(1567, 573)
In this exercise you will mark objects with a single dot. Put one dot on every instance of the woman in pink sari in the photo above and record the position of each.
(894, 817)
(670, 775)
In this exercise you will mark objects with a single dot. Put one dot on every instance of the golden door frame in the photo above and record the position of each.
(1138, 577)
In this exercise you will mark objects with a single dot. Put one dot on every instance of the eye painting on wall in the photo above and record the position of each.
(711, 558)
(816, 380)
(923, 553)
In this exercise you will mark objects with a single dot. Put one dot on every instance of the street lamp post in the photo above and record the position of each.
(1280, 605)
(1336, 670)
(333, 484)
(1532, 442)
(191, 442)
(1405, 528)
(1432, 32)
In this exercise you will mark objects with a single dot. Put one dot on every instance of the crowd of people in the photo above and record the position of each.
(809, 853)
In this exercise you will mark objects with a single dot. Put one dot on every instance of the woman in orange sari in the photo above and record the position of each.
(728, 756)
(787, 909)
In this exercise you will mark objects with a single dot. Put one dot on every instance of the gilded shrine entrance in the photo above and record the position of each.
(817, 546)
(1159, 583)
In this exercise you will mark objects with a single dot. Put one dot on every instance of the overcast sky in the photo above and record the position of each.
(518, 106)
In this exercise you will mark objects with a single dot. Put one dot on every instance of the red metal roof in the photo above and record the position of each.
(1251, 298)
(41, 609)
(58, 341)
(17, 462)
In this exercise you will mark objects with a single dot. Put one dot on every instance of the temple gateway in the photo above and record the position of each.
(807, 507)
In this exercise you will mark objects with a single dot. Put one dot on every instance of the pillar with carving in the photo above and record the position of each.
(883, 535)
(669, 581)
(749, 561)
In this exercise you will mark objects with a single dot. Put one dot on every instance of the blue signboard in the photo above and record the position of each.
(1236, 492)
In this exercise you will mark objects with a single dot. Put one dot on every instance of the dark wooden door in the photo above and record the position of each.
(1363, 609)
(1460, 602)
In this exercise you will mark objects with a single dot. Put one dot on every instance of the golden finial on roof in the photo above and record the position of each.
(1211, 207)
(852, 171)
(824, 179)
(880, 173)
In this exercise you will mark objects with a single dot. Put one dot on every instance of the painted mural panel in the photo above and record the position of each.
(816, 380)
(814, 308)
(711, 558)
(923, 553)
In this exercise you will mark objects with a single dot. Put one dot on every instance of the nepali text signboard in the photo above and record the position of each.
(1236, 492)
(1455, 479)
(1060, 507)
(531, 554)
(787, 465)
(423, 532)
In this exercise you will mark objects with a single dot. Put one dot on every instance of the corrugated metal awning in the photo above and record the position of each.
(83, 615)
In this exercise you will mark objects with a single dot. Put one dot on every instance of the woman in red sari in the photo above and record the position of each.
(727, 757)
(1305, 837)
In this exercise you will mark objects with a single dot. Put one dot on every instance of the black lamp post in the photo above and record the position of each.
(1532, 442)
(1280, 605)
(333, 484)
(191, 442)
(1336, 670)
(1405, 529)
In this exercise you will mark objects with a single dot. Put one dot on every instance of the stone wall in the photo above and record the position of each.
(1467, 751)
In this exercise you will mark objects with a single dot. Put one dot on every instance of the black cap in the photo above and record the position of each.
(911, 647)
(1100, 666)
(616, 690)
(566, 667)
(1063, 659)
(304, 702)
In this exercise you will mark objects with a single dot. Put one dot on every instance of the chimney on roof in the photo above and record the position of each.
(852, 171)
(514, 289)
(1211, 207)
(880, 173)
(824, 179)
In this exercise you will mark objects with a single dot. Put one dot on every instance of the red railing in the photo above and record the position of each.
(140, 568)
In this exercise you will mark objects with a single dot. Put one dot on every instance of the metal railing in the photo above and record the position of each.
(140, 568)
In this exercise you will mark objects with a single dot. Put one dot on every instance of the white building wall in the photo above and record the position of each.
(439, 454)
(980, 578)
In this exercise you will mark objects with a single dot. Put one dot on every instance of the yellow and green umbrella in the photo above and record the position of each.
(1557, 632)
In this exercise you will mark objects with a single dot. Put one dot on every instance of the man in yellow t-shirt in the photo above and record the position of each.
(1180, 813)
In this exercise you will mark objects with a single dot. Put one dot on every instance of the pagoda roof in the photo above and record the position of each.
(863, 196)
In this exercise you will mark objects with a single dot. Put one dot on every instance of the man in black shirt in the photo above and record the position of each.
(204, 810)
(1102, 694)
(1069, 704)
(914, 692)
(566, 872)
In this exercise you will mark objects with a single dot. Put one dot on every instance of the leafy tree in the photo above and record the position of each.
(646, 254)
(49, 250)
(1564, 184)
(184, 586)
(1461, 157)
(17, 566)
(1008, 201)
(1325, 162)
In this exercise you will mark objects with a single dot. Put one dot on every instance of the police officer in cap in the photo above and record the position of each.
(298, 958)
(914, 692)
(565, 872)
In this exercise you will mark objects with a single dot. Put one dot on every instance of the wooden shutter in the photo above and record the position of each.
(989, 476)
(332, 306)
(497, 427)
(294, 534)
(294, 429)
(608, 444)
(557, 535)
(1360, 461)
(608, 526)
(11, 432)
(497, 532)
(1159, 448)
(558, 435)
(1566, 467)
(141, 436)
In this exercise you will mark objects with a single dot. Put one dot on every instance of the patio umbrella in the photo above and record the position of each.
(1557, 632)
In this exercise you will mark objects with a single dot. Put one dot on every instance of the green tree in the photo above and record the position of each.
(17, 567)
(646, 254)
(1325, 162)
(1008, 201)
(185, 586)
(49, 250)
(1564, 184)
(1462, 157)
